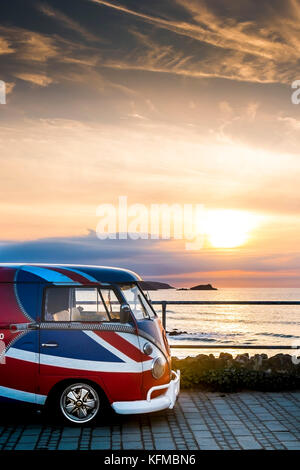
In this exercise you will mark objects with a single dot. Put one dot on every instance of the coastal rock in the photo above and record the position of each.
(259, 362)
(281, 362)
(242, 358)
(176, 332)
(225, 373)
(225, 356)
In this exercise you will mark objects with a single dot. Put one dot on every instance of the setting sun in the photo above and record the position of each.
(229, 228)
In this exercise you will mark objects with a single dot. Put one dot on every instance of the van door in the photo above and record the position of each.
(81, 336)
(19, 343)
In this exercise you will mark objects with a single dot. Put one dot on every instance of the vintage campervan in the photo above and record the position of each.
(75, 337)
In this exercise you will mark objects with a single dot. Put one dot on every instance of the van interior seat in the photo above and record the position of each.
(63, 315)
(76, 314)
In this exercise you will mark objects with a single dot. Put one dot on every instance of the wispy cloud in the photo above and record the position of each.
(29, 45)
(241, 50)
(68, 22)
(5, 47)
(152, 56)
(221, 32)
(36, 79)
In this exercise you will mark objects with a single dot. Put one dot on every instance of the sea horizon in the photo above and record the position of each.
(261, 325)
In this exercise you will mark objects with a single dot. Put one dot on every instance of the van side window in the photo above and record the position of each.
(80, 304)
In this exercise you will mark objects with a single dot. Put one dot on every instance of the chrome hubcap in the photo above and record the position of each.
(79, 403)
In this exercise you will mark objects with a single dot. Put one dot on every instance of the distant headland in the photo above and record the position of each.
(155, 285)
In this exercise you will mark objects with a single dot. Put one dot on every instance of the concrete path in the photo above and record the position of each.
(199, 421)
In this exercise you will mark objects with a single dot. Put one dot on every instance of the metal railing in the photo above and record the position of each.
(164, 304)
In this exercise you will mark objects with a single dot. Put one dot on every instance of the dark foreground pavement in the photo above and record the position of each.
(200, 420)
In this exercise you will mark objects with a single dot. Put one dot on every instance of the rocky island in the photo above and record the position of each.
(203, 287)
(199, 287)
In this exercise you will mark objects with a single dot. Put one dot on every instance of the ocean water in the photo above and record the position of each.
(257, 325)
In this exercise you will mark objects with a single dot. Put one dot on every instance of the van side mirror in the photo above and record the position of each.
(125, 313)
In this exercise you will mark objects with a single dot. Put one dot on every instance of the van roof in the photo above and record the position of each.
(64, 273)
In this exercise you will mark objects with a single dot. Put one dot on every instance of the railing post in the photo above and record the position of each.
(164, 313)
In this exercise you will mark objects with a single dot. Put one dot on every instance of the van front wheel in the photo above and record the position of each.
(79, 403)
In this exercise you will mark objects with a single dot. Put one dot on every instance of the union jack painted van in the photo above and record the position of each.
(76, 337)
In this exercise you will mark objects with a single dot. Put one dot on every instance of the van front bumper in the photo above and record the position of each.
(163, 402)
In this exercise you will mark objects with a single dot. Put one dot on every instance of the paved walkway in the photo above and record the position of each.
(199, 421)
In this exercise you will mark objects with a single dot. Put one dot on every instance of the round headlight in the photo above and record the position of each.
(158, 367)
(148, 349)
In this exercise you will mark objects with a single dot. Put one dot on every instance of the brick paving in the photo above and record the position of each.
(200, 420)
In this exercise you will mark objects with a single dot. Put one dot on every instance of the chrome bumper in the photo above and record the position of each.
(165, 401)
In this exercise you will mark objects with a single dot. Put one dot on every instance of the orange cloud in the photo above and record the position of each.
(5, 47)
(36, 79)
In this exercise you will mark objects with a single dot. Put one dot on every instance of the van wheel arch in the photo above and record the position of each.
(53, 395)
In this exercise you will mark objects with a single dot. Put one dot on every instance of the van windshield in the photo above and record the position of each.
(138, 303)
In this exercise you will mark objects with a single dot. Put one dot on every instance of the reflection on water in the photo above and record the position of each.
(233, 324)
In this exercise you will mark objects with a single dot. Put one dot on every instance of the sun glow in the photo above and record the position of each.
(229, 228)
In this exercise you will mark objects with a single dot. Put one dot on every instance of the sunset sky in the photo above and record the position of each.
(169, 101)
